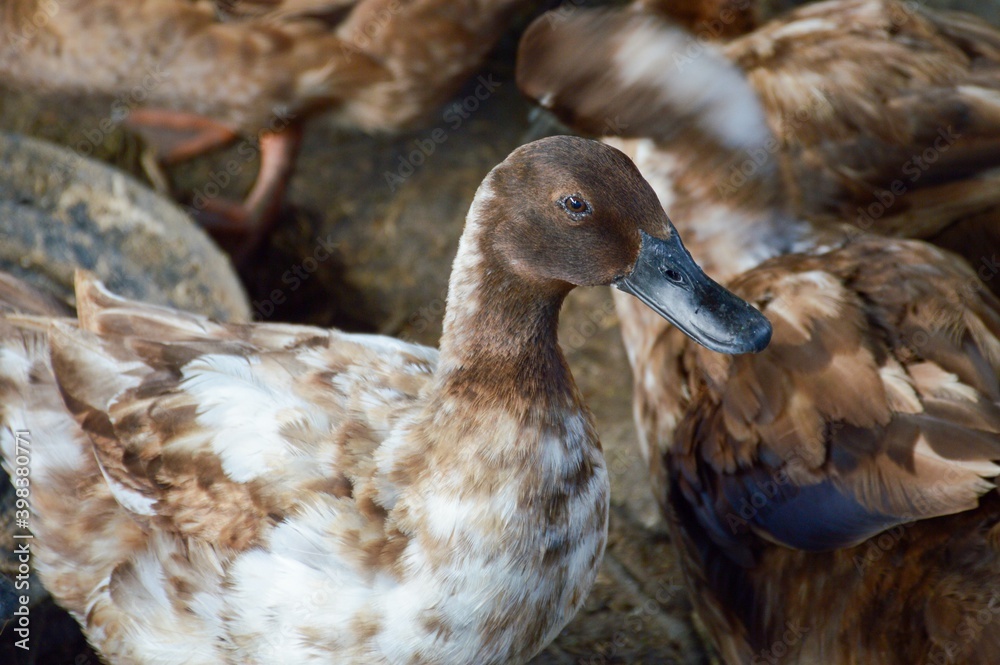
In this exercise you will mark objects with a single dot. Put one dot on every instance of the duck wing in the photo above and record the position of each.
(217, 431)
(17, 297)
(876, 404)
(847, 473)
(155, 472)
(330, 11)
(888, 115)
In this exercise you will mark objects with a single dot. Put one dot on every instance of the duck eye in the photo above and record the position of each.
(575, 206)
(672, 275)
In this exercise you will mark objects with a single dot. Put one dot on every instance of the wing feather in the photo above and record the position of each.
(865, 427)
(921, 128)
(217, 431)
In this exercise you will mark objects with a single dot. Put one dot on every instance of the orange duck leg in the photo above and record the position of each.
(240, 226)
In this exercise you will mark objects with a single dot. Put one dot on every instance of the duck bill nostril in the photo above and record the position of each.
(700, 307)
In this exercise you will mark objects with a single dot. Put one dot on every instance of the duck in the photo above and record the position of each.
(884, 113)
(190, 75)
(832, 499)
(206, 492)
(716, 20)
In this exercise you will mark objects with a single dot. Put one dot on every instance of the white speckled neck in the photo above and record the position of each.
(463, 285)
(492, 315)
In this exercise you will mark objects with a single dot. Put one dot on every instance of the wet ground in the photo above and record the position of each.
(393, 210)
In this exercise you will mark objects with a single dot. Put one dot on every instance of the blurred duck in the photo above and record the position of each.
(223, 493)
(710, 19)
(834, 497)
(884, 114)
(208, 71)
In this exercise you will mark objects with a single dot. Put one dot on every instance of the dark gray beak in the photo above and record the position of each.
(667, 279)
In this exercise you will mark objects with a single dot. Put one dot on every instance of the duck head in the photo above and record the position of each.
(566, 211)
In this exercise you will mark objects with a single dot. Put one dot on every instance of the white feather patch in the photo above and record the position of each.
(244, 404)
(694, 78)
(129, 499)
(899, 392)
(933, 381)
(956, 469)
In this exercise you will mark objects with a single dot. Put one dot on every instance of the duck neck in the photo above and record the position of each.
(499, 347)
(510, 477)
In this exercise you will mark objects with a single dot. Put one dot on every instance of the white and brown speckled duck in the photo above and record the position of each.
(834, 497)
(221, 493)
(207, 71)
(886, 114)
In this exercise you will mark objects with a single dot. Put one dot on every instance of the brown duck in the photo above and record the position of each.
(885, 114)
(208, 71)
(834, 497)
